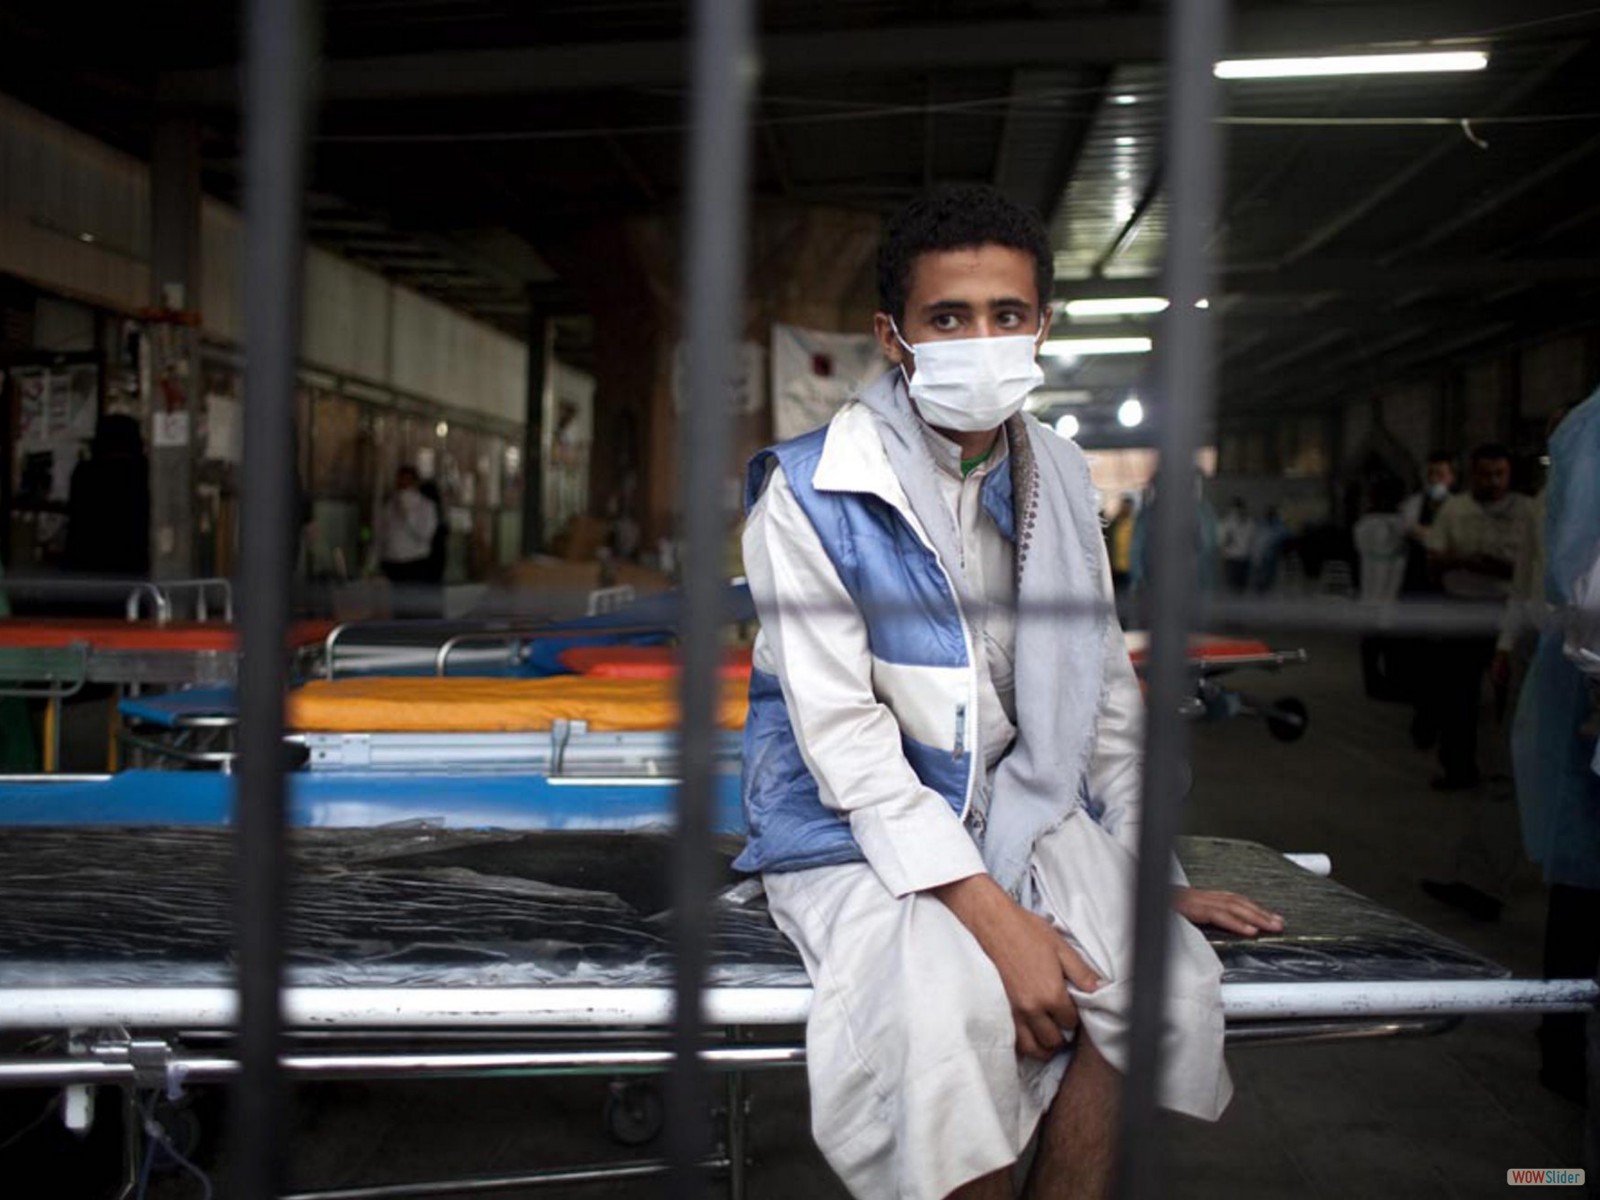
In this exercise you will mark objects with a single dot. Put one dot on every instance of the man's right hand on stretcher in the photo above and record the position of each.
(1035, 962)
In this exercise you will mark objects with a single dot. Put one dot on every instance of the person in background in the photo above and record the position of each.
(108, 504)
(1205, 539)
(1420, 508)
(1415, 654)
(1119, 542)
(407, 526)
(1380, 540)
(1472, 548)
(433, 570)
(1553, 743)
(1267, 553)
(1236, 536)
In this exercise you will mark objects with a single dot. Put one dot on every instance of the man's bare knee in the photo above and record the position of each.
(994, 1186)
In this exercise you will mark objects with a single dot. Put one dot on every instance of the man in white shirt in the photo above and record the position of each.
(941, 781)
(1236, 539)
(1473, 545)
(406, 529)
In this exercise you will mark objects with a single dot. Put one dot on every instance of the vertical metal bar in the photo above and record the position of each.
(279, 55)
(1195, 36)
(713, 289)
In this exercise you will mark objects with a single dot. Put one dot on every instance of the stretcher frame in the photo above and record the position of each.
(162, 1039)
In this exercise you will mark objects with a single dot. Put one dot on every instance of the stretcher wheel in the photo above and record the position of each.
(1287, 719)
(633, 1113)
(183, 1128)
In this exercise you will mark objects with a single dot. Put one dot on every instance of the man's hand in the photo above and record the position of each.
(1225, 910)
(1035, 962)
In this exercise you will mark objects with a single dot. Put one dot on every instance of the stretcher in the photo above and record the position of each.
(55, 658)
(481, 924)
(1211, 658)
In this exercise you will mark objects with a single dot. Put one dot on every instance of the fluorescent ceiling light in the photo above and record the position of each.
(1130, 415)
(1067, 426)
(1126, 306)
(1083, 347)
(1352, 64)
(1126, 140)
(1125, 98)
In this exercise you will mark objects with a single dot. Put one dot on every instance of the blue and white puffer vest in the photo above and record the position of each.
(913, 620)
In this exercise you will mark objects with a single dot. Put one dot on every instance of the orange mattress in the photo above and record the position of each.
(111, 634)
(644, 662)
(465, 704)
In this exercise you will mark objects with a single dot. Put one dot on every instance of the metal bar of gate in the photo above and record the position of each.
(713, 287)
(278, 63)
(1195, 33)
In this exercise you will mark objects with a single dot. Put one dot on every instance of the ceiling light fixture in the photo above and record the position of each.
(1087, 346)
(1130, 414)
(1125, 140)
(1124, 98)
(1352, 64)
(1124, 306)
(1067, 426)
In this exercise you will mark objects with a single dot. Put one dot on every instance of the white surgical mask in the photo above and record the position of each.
(972, 384)
(1437, 491)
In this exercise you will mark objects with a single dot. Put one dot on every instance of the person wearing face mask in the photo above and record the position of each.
(1473, 545)
(942, 756)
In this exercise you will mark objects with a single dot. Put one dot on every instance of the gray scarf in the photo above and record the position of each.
(1060, 655)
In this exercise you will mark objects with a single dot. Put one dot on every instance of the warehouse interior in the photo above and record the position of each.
(1407, 268)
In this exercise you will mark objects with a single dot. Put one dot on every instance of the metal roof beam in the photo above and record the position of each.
(1356, 277)
(1088, 37)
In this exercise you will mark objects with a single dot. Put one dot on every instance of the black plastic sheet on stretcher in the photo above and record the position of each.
(121, 917)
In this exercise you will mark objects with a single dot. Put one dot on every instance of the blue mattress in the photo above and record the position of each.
(484, 800)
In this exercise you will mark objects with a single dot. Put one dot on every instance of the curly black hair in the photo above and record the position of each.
(955, 217)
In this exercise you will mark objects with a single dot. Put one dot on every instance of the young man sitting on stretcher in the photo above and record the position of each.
(942, 757)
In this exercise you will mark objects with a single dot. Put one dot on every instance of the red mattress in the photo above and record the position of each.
(112, 634)
(644, 662)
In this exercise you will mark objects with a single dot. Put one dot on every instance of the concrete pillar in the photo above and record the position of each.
(541, 365)
(809, 266)
(175, 343)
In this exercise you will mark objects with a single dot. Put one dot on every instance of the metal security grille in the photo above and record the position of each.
(281, 57)
(280, 71)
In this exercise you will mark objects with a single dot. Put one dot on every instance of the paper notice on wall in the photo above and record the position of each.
(224, 429)
(814, 373)
(170, 429)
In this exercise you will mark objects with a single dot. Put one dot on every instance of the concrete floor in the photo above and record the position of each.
(1436, 1117)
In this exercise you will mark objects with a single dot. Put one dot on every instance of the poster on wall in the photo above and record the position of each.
(814, 373)
(568, 436)
(57, 407)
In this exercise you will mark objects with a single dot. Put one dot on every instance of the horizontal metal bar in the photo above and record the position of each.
(38, 1008)
(179, 1068)
(1268, 1001)
(1299, 1033)
(481, 1185)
